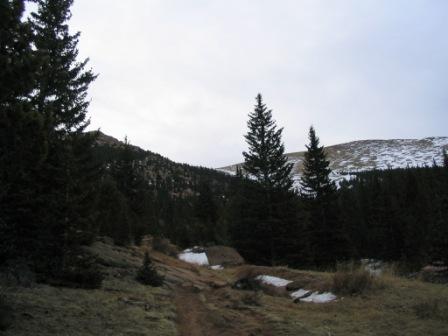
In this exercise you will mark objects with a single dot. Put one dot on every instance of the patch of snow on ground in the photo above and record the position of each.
(217, 267)
(299, 293)
(272, 280)
(194, 258)
(320, 298)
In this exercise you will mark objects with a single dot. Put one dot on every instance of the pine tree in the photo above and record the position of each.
(63, 81)
(315, 180)
(324, 235)
(148, 275)
(126, 171)
(263, 224)
(206, 213)
(113, 212)
(445, 159)
(265, 160)
(22, 141)
(65, 179)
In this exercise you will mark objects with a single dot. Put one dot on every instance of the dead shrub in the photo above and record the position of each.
(350, 280)
(80, 271)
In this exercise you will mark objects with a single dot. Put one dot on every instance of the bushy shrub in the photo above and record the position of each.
(80, 271)
(351, 280)
(148, 275)
(17, 272)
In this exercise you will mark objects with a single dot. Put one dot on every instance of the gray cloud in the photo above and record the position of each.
(180, 76)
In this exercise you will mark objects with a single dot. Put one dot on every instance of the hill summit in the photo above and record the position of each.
(363, 155)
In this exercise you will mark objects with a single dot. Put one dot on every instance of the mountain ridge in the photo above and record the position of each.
(364, 155)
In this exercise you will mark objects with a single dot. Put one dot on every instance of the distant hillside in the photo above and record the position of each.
(179, 178)
(366, 155)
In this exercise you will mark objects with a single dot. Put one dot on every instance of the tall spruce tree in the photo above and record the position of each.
(263, 224)
(445, 159)
(127, 172)
(66, 177)
(63, 82)
(265, 160)
(326, 240)
(22, 142)
(315, 180)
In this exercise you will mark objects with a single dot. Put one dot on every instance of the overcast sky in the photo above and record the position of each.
(179, 77)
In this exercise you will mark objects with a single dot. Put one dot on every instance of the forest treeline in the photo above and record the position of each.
(61, 187)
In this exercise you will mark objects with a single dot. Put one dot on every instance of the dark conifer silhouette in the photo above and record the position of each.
(264, 226)
(315, 182)
(63, 81)
(265, 159)
(325, 239)
(23, 144)
(148, 275)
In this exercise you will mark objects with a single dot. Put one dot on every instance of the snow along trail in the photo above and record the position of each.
(320, 298)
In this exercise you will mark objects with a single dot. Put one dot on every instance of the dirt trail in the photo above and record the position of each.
(207, 314)
(207, 305)
(192, 317)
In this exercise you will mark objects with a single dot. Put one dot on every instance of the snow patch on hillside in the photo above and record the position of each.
(320, 298)
(364, 155)
(194, 257)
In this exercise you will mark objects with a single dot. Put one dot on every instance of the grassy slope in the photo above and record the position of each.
(390, 311)
(198, 301)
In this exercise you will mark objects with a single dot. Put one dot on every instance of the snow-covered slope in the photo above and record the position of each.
(365, 155)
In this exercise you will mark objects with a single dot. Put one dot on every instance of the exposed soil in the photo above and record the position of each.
(202, 314)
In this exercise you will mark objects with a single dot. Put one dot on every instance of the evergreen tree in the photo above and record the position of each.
(22, 141)
(445, 159)
(63, 81)
(112, 212)
(126, 171)
(265, 159)
(148, 275)
(315, 180)
(261, 230)
(323, 233)
(66, 177)
(206, 213)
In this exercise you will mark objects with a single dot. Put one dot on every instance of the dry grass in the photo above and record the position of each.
(435, 309)
(354, 280)
(124, 307)
(398, 307)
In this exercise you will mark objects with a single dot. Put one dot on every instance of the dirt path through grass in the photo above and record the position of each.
(205, 314)
(191, 315)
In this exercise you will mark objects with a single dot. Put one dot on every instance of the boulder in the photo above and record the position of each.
(223, 255)
(436, 272)
(165, 246)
